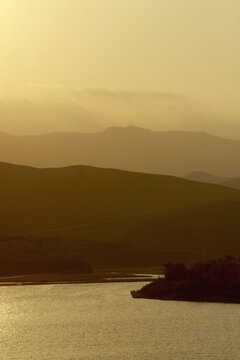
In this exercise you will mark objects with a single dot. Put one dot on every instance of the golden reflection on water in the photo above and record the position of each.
(103, 322)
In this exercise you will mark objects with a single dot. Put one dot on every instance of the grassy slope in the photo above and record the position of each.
(199, 233)
(34, 199)
(96, 208)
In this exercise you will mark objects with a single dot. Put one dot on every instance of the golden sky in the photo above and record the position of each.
(182, 55)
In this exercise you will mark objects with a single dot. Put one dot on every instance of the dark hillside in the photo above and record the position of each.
(35, 200)
(112, 217)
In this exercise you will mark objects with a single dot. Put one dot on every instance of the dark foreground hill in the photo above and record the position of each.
(131, 148)
(115, 218)
(201, 232)
(40, 200)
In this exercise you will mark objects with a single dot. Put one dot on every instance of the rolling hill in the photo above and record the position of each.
(200, 233)
(130, 148)
(113, 217)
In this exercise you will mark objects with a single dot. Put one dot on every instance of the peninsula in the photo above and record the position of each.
(212, 281)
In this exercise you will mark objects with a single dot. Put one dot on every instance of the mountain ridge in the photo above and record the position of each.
(116, 129)
(130, 148)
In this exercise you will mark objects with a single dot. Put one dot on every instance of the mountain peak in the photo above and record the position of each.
(126, 130)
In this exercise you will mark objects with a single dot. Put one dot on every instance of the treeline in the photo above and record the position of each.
(213, 281)
(223, 271)
(20, 257)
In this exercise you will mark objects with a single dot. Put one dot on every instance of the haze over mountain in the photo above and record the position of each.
(202, 176)
(98, 213)
(213, 179)
(69, 70)
(87, 65)
(38, 109)
(234, 183)
(127, 148)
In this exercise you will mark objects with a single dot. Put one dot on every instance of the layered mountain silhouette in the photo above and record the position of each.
(130, 148)
(113, 217)
(202, 176)
(234, 183)
(212, 179)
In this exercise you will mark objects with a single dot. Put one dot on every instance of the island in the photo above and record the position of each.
(210, 281)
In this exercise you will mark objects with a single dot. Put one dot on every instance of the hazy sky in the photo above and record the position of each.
(87, 64)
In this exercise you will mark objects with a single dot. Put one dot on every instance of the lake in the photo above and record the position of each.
(103, 322)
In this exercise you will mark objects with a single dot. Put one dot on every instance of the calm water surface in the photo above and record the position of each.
(102, 322)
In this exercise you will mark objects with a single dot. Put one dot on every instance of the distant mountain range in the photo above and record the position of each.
(212, 179)
(117, 218)
(234, 183)
(202, 176)
(130, 148)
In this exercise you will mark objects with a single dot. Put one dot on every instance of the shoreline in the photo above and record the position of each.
(58, 279)
(135, 295)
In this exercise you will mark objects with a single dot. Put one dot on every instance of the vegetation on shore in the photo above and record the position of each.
(212, 281)
(24, 257)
